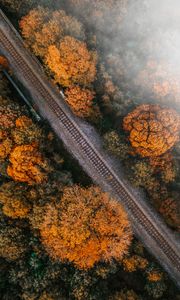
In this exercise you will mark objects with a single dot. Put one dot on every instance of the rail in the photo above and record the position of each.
(155, 235)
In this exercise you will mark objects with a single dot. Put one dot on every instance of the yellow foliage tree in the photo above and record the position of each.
(71, 62)
(85, 227)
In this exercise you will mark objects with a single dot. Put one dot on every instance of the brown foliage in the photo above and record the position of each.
(113, 99)
(15, 208)
(8, 114)
(4, 89)
(18, 6)
(27, 164)
(12, 196)
(71, 62)
(125, 295)
(12, 244)
(114, 143)
(165, 166)
(153, 129)
(5, 145)
(171, 212)
(85, 227)
(26, 131)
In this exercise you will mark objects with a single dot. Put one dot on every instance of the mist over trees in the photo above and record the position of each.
(61, 237)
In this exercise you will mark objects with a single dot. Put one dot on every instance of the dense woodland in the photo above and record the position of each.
(49, 249)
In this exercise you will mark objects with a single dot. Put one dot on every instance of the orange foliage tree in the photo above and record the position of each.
(3, 62)
(85, 227)
(152, 129)
(154, 275)
(71, 62)
(42, 27)
(81, 102)
(134, 262)
(27, 164)
(8, 114)
(19, 140)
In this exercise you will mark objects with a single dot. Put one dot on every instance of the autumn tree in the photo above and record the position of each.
(116, 144)
(71, 62)
(155, 285)
(12, 243)
(18, 6)
(26, 131)
(169, 209)
(9, 112)
(164, 166)
(85, 227)
(159, 81)
(153, 129)
(134, 262)
(27, 164)
(21, 143)
(125, 295)
(96, 13)
(3, 62)
(113, 100)
(80, 101)
(141, 175)
(154, 274)
(5, 145)
(42, 28)
(14, 200)
(155, 289)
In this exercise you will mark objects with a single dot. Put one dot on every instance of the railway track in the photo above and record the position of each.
(155, 235)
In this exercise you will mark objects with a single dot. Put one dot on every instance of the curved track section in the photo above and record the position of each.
(155, 235)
